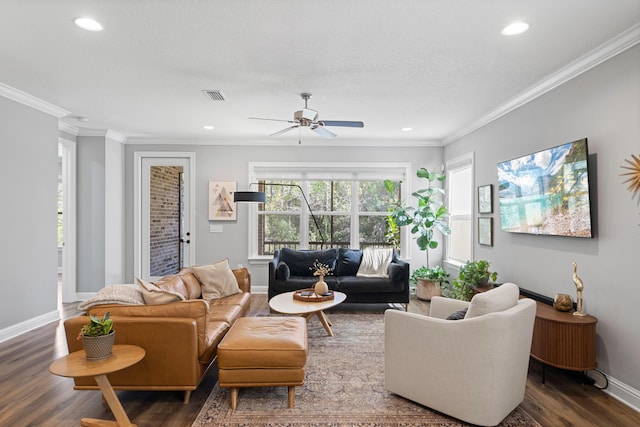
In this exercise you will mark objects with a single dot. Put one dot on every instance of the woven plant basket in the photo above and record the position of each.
(99, 347)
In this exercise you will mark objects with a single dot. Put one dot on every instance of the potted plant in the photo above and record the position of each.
(473, 276)
(98, 337)
(429, 281)
(425, 219)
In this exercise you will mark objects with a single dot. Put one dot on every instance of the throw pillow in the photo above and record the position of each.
(348, 262)
(375, 262)
(282, 271)
(153, 295)
(458, 315)
(497, 299)
(217, 280)
(299, 261)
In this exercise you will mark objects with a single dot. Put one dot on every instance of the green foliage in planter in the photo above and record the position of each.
(473, 273)
(97, 326)
(430, 215)
(435, 274)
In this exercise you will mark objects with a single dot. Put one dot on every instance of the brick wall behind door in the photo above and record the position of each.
(164, 220)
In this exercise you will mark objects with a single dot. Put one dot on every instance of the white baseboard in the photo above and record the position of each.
(28, 325)
(621, 391)
(83, 296)
(259, 289)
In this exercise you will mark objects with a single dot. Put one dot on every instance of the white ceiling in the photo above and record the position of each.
(439, 66)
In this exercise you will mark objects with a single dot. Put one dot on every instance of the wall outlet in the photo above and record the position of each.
(240, 265)
(215, 228)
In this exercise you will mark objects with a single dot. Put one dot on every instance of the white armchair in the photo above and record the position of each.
(473, 369)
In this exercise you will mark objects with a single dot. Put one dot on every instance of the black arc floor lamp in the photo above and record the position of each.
(260, 197)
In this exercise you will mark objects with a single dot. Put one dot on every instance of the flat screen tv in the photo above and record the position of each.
(547, 192)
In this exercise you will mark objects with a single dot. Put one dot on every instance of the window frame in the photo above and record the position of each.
(309, 171)
(454, 165)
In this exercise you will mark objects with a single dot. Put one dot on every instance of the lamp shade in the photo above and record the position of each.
(249, 197)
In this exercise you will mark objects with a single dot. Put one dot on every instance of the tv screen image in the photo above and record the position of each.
(547, 192)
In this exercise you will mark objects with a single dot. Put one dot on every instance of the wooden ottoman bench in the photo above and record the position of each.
(263, 351)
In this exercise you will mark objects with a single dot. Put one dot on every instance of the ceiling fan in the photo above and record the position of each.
(309, 118)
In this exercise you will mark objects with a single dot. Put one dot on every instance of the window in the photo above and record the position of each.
(460, 203)
(348, 206)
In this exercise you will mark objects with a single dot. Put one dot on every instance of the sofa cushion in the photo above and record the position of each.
(192, 284)
(358, 285)
(172, 284)
(348, 262)
(153, 295)
(299, 261)
(283, 272)
(497, 299)
(217, 280)
(375, 262)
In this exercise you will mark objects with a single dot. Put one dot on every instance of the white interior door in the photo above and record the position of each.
(164, 213)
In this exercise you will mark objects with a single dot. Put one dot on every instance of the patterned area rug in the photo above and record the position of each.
(344, 386)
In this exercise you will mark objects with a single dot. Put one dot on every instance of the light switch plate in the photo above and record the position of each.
(215, 228)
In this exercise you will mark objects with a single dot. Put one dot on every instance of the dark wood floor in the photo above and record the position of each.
(31, 396)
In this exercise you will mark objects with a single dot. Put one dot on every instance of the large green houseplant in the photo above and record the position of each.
(472, 275)
(424, 219)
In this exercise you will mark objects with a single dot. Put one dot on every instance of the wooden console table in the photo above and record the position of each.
(563, 340)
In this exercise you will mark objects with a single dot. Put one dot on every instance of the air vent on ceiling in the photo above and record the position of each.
(214, 95)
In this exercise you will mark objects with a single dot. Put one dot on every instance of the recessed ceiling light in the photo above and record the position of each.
(406, 129)
(515, 28)
(208, 127)
(88, 24)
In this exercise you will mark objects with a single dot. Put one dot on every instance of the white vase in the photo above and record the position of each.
(321, 287)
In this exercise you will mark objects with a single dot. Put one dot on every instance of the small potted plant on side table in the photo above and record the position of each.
(98, 337)
(473, 278)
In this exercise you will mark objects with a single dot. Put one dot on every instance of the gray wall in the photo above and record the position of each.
(230, 163)
(603, 105)
(28, 218)
(90, 214)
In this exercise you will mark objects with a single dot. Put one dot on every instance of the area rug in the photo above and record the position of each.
(344, 386)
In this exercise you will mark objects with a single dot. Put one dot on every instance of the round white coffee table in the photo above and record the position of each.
(284, 303)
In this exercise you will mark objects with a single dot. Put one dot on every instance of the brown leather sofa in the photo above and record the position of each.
(180, 338)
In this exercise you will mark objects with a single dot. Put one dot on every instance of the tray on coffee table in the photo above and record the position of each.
(308, 295)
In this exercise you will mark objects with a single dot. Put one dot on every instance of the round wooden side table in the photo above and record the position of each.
(76, 365)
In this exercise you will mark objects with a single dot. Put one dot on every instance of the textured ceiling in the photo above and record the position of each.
(437, 66)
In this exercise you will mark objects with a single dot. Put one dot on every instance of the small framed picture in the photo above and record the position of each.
(485, 199)
(485, 231)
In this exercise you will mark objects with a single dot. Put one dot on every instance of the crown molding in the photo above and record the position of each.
(284, 143)
(67, 128)
(106, 133)
(595, 57)
(31, 101)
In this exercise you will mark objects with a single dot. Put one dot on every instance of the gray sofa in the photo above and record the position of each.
(289, 271)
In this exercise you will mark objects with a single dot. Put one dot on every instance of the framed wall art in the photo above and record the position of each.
(485, 199)
(485, 231)
(221, 204)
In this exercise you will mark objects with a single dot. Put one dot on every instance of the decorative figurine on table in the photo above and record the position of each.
(579, 287)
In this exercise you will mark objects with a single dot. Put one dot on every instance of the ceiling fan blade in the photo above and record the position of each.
(325, 133)
(273, 120)
(280, 132)
(341, 123)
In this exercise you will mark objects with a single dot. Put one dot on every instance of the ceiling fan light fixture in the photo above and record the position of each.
(88, 24)
(515, 28)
